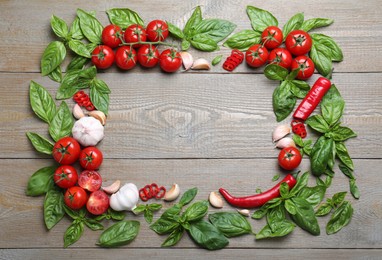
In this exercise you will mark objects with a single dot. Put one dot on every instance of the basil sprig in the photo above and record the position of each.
(124, 17)
(119, 234)
(148, 211)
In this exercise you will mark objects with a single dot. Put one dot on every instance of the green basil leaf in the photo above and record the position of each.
(173, 212)
(260, 19)
(59, 26)
(335, 52)
(332, 105)
(320, 57)
(275, 72)
(53, 208)
(284, 190)
(116, 215)
(275, 217)
(196, 211)
(99, 98)
(305, 217)
(75, 30)
(188, 196)
(346, 171)
(174, 237)
(204, 43)
(321, 154)
(164, 226)
(90, 26)
(185, 45)
(88, 73)
(324, 210)
(302, 181)
(318, 123)
(101, 86)
(293, 74)
(215, 29)
(283, 101)
(276, 177)
(192, 22)
(40, 143)
(284, 228)
(62, 123)
(139, 209)
(298, 140)
(343, 154)
(68, 85)
(119, 234)
(296, 91)
(313, 195)
(124, 17)
(243, 40)
(290, 207)
(354, 189)
(175, 31)
(72, 213)
(148, 215)
(207, 235)
(52, 57)
(154, 206)
(294, 23)
(77, 63)
(338, 198)
(340, 218)
(56, 74)
(73, 233)
(93, 224)
(301, 84)
(260, 213)
(230, 224)
(41, 181)
(79, 48)
(314, 23)
(342, 133)
(216, 60)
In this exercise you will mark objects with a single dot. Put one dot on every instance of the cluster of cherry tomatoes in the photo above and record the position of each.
(293, 56)
(136, 45)
(84, 188)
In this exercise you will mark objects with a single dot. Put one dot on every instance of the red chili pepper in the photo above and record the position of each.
(234, 60)
(258, 199)
(161, 192)
(154, 189)
(298, 128)
(143, 195)
(312, 99)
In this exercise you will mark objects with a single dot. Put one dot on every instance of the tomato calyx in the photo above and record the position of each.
(88, 158)
(63, 150)
(173, 54)
(101, 55)
(299, 39)
(256, 55)
(271, 37)
(288, 155)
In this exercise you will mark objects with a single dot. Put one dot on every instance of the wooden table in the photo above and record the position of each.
(204, 129)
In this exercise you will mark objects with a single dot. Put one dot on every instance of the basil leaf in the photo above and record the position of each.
(324, 210)
(305, 217)
(284, 228)
(175, 30)
(59, 26)
(72, 213)
(230, 224)
(196, 211)
(290, 207)
(301, 84)
(174, 237)
(79, 48)
(298, 140)
(313, 195)
(88, 73)
(215, 29)
(77, 63)
(40, 143)
(342, 133)
(314, 23)
(302, 181)
(154, 206)
(243, 40)
(284, 190)
(53, 208)
(192, 22)
(275, 217)
(101, 86)
(56, 74)
(332, 105)
(335, 52)
(260, 213)
(119, 234)
(124, 17)
(41, 181)
(275, 72)
(260, 19)
(99, 98)
(338, 198)
(346, 171)
(52, 57)
(340, 218)
(276, 177)
(294, 23)
(321, 154)
(318, 123)
(217, 60)
(296, 91)
(93, 224)
(68, 85)
(293, 74)
(343, 154)
(172, 213)
(188, 196)
(185, 45)
(354, 189)
(62, 123)
(73, 233)
(283, 101)
(75, 30)
(320, 57)
(164, 226)
(148, 215)
(207, 235)
(203, 42)
(90, 26)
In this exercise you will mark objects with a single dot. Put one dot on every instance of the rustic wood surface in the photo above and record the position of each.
(203, 129)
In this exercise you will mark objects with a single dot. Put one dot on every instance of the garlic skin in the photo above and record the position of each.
(126, 198)
(244, 212)
(173, 193)
(215, 200)
(201, 64)
(88, 131)
(187, 60)
(280, 132)
(99, 115)
(285, 142)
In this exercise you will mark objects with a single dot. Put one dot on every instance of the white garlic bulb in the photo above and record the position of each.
(88, 131)
(126, 198)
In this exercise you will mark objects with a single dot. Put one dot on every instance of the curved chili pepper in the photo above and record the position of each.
(258, 199)
(312, 99)
(161, 192)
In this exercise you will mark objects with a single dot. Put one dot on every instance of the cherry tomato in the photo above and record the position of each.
(126, 57)
(306, 66)
(289, 158)
(112, 35)
(256, 56)
(135, 33)
(75, 197)
(272, 37)
(280, 56)
(98, 202)
(298, 42)
(157, 30)
(91, 158)
(148, 56)
(102, 57)
(65, 176)
(90, 180)
(66, 150)
(170, 60)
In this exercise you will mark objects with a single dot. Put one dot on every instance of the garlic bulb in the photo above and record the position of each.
(280, 132)
(126, 198)
(285, 142)
(88, 131)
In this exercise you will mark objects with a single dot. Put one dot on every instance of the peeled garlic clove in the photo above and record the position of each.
(285, 142)
(77, 112)
(112, 188)
(99, 115)
(244, 212)
(201, 64)
(215, 200)
(172, 193)
(187, 60)
(280, 132)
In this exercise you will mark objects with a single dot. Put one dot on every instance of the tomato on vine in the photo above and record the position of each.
(126, 57)
(306, 66)
(66, 150)
(148, 56)
(256, 55)
(157, 30)
(281, 57)
(170, 60)
(91, 158)
(135, 33)
(289, 158)
(103, 57)
(112, 35)
(75, 197)
(298, 42)
(272, 37)
(65, 176)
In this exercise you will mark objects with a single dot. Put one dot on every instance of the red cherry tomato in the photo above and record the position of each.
(66, 150)
(256, 56)
(65, 176)
(306, 66)
(148, 56)
(135, 33)
(90, 180)
(157, 30)
(75, 197)
(170, 60)
(103, 57)
(289, 158)
(280, 56)
(272, 37)
(298, 42)
(126, 57)
(98, 202)
(91, 158)
(112, 35)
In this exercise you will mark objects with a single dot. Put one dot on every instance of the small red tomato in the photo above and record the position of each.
(157, 30)
(98, 202)
(112, 35)
(90, 180)
(256, 56)
(91, 158)
(75, 197)
(135, 33)
(298, 42)
(65, 176)
(306, 66)
(103, 57)
(148, 56)
(126, 57)
(170, 60)
(289, 158)
(272, 37)
(66, 150)
(280, 56)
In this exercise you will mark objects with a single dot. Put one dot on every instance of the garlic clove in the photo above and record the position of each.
(172, 193)
(201, 64)
(215, 200)
(244, 212)
(114, 203)
(187, 60)
(280, 132)
(99, 115)
(112, 188)
(285, 142)
(77, 112)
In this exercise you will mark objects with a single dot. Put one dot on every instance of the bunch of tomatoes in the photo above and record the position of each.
(136, 45)
(293, 56)
(84, 188)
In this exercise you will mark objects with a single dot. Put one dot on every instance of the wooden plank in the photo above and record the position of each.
(190, 115)
(21, 217)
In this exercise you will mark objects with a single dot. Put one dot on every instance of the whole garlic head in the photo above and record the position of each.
(126, 198)
(88, 131)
